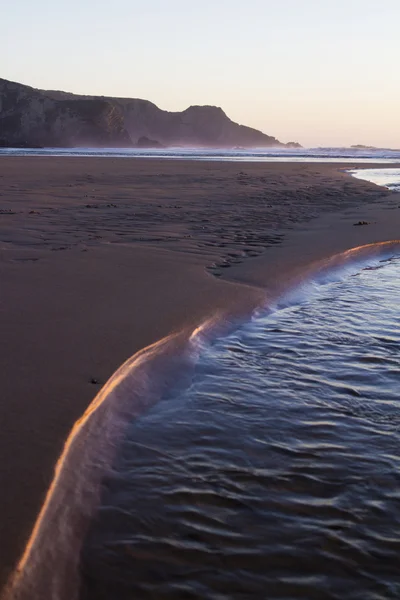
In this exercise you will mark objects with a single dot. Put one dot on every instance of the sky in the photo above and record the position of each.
(321, 72)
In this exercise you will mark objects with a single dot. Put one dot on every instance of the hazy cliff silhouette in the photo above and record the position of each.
(30, 118)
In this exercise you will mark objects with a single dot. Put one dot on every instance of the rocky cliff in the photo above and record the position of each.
(31, 118)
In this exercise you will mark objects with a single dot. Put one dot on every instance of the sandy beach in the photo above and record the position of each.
(101, 257)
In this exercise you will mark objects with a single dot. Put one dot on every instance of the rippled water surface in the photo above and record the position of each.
(276, 474)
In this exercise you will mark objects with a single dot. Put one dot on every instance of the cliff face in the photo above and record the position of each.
(30, 117)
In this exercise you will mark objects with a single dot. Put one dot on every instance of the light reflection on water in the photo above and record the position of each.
(276, 473)
(389, 178)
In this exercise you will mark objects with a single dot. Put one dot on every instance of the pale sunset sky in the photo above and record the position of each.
(315, 71)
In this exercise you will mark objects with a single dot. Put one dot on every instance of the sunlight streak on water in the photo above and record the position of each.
(203, 438)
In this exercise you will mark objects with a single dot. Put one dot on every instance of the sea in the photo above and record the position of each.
(271, 469)
(373, 155)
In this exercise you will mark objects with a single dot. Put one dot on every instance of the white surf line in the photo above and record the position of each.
(358, 254)
(388, 177)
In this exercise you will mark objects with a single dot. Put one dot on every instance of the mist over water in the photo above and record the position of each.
(223, 154)
(275, 473)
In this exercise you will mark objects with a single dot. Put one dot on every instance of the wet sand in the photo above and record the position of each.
(102, 257)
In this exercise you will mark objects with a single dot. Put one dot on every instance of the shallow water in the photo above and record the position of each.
(276, 473)
(389, 178)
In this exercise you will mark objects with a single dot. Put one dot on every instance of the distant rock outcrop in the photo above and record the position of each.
(363, 147)
(144, 142)
(34, 118)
